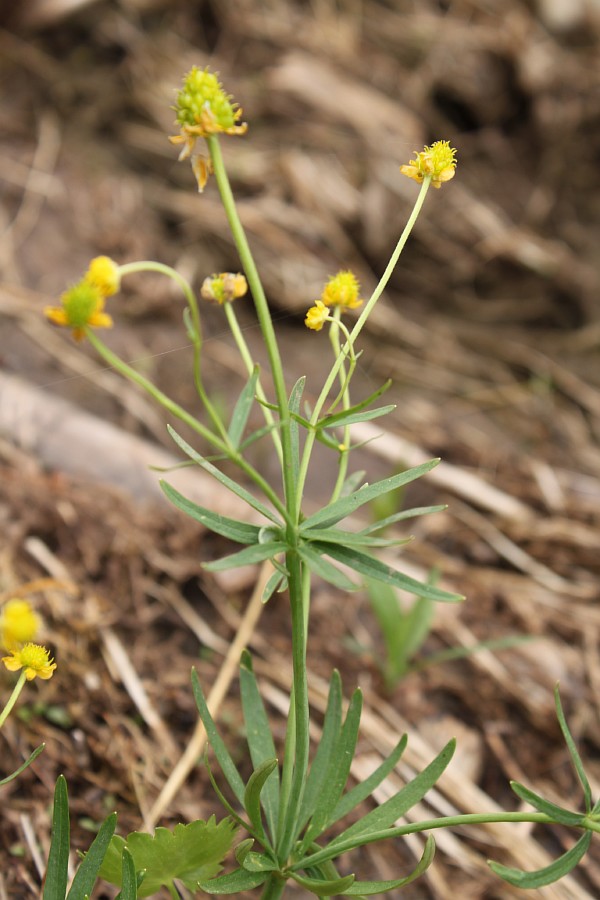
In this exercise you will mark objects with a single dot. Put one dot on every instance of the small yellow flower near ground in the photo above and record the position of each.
(437, 161)
(342, 290)
(224, 288)
(316, 316)
(33, 659)
(203, 108)
(81, 306)
(104, 273)
(18, 623)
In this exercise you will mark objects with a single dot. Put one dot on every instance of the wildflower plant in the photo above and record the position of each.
(287, 808)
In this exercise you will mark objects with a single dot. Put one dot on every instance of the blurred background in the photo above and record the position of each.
(490, 330)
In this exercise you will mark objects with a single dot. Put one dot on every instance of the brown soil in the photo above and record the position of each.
(489, 329)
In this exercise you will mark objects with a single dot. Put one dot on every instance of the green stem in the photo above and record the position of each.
(294, 567)
(194, 332)
(12, 699)
(334, 337)
(311, 436)
(262, 311)
(274, 888)
(336, 849)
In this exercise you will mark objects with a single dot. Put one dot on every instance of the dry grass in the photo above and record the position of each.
(489, 330)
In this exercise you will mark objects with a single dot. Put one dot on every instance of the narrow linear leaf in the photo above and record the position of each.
(379, 571)
(353, 482)
(573, 752)
(229, 483)
(57, 871)
(235, 530)
(401, 516)
(324, 888)
(228, 767)
(294, 405)
(260, 740)
(334, 419)
(242, 850)
(256, 436)
(564, 816)
(23, 766)
(271, 586)
(242, 409)
(541, 877)
(398, 805)
(234, 882)
(248, 556)
(325, 569)
(129, 881)
(337, 771)
(365, 788)
(355, 538)
(367, 888)
(351, 418)
(347, 505)
(332, 723)
(237, 818)
(87, 873)
(252, 796)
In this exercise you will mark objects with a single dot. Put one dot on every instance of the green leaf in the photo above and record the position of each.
(23, 766)
(352, 483)
(397, 806)
(564, 816)
(260, 741)
(355, 538)
(190, 853)
(248, 556)
(242, 409)
(254, 788)
(241, 532)
(351, 418)
(378, 571)
(129, 880)
(401, 516)
(345, 506)
(294, 405)
(541, 877)
(338, 418)
(57, 871)
(324, 888)
(271, 586)
(573, 752)
(260, 862)
(367, 888)
(322, 759)
(232, 776)
(229, 483)
(242, 850)
(236, 881)
(325, 569)
(403, 632)
(87, 873)
(365, 788)
(338, 771)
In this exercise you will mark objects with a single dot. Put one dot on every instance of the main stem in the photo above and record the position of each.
(300, 718)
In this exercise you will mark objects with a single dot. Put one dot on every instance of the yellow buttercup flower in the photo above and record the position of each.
(33, 659)
(81, 306)
(316, 316)
(342, 290)
(203, 108)
(224, 288)
(18, 623)
(104, 273)
(438, 162)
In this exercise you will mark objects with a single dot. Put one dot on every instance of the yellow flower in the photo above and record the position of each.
(104, 273)
(316, 316)
(437, 161)
(203, 108)
(33, 659)
(18, 623)
(342, 290)
(82, 306)
(223, 288)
